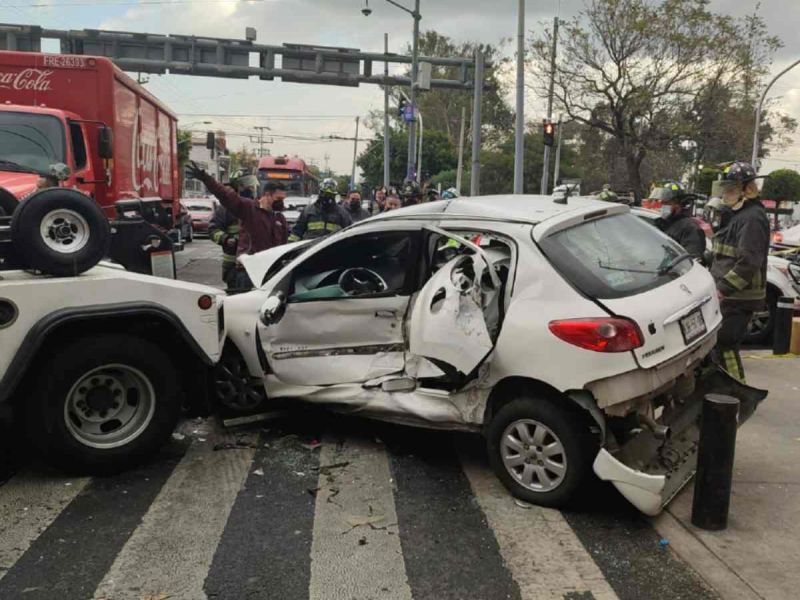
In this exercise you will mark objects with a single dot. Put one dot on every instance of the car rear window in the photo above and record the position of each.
(614, 257)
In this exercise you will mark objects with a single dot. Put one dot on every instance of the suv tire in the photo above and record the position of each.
(534, 441)
(106, 403)
(60, 232)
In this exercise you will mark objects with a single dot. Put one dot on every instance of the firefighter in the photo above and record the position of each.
(323, 217)
(223, 229)
(676, 219)
(739, 264)
(411, 193)
(263, 226)
(352, 207)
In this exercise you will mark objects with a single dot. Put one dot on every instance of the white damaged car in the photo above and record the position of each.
(568, 332)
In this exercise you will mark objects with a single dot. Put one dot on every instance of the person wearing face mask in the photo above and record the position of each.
(739, 264)
(262, 225)
(676, 220)
(323, 217)
(353, 207)
(380, 201)
(411, 193)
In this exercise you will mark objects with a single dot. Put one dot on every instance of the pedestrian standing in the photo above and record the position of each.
(323, 217)
(380, 201)
(263, 225)
(353, 207)
(739, 266)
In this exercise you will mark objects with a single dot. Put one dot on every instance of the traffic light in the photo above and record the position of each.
(548, 133)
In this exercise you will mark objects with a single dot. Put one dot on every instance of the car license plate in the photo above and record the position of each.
(693, 326)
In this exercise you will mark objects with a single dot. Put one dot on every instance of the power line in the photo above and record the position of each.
(266, 116)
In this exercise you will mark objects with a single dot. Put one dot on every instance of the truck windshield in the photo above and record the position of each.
(31, 141)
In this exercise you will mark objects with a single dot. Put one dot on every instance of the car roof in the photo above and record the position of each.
(526, 208)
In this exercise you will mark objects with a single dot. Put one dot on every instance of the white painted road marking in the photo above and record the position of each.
(171, 551)
(545, 557)
(356, 550)
(29, 503)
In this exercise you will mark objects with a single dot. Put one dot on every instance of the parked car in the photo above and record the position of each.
(571, 335)
(184, 224)
(200, 213)
(780, 282)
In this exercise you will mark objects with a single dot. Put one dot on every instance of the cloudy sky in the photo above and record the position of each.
(300, 110)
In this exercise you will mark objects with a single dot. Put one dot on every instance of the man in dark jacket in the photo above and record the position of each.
(263, 225)
(353, 207)
(676, 220)
(739, 266)
(322, 218)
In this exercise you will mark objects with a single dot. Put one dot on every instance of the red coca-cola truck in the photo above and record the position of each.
(116, 139)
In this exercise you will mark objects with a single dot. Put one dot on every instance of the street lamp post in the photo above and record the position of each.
(754, 161)
(412, 133)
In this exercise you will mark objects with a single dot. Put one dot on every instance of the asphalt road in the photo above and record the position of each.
(323, 507)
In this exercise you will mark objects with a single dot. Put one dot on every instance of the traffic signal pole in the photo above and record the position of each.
(546, 160)
(519, 126)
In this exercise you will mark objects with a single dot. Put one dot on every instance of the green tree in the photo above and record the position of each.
(243, 160)
(783, 184)
(635, 69)
(184, 140)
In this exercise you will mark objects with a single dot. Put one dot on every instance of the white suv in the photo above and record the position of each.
(568, 332)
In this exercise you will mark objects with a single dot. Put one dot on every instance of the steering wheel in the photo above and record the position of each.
(358, 281)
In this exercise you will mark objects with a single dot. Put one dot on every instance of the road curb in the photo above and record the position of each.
(715, 572)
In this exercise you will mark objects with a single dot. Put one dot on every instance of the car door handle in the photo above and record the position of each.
(386, 314)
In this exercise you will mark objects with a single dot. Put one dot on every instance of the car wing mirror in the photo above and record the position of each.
(272, 309)
(105, 142)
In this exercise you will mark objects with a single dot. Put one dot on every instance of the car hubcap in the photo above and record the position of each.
(533, 455)
(65, 231)
(235, 389)
(109, 406)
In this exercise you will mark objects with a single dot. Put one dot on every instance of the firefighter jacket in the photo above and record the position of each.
(223, 226)
(684, 230)
(317, 222)
(740, 253)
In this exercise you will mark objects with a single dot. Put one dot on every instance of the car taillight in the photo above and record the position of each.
(601, 334)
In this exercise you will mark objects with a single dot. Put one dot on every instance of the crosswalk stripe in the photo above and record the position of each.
(356, 550)
(171, 551)
(540, 549)
(29, 503)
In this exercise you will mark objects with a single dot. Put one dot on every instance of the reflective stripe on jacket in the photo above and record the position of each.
(315, 222)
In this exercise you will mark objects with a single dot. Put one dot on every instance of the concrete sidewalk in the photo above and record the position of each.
(758, 556)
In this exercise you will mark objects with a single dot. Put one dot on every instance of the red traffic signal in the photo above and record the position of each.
(548, 133)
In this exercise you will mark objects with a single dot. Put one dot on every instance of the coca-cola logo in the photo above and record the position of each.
(36, 80)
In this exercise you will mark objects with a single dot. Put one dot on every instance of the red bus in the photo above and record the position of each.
(291, 172)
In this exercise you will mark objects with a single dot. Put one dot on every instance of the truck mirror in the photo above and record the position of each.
(105, 142)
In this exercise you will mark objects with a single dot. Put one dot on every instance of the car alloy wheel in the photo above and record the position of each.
(533, 455)
(235, 388)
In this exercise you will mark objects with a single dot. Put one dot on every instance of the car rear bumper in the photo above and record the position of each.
(649, 470)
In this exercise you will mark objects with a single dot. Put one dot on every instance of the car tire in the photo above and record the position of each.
(565, 443)
(8, 203)
(760, 331)
(60, 232)
(105, 403)
(236, 392)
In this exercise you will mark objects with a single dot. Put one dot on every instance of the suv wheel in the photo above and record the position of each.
(105, 403)
(59, 231)
(540, 452)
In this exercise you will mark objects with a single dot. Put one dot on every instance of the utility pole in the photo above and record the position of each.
(419, 154)
(475, 175)
(261, 141)
(519, 126)
(546, 166)
(754, 161)
(327, 158)
(557, 168)
(355, 154)
(412, 133)
(387, 149)
(460, 170)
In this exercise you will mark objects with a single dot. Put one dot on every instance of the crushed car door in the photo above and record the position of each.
(448, 323)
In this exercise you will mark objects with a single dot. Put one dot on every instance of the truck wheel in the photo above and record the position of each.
(60, 232)
(104, 404)
(541, 453)
(8, 203)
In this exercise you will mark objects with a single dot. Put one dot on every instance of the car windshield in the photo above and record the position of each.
(31, 141)
(615, 257)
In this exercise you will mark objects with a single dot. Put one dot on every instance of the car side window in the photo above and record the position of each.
(78, 145)
(368, 265)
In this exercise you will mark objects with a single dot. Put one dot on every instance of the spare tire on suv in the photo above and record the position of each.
(59, 231)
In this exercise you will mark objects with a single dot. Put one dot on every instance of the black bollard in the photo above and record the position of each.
(782, 340)
(712, 482)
